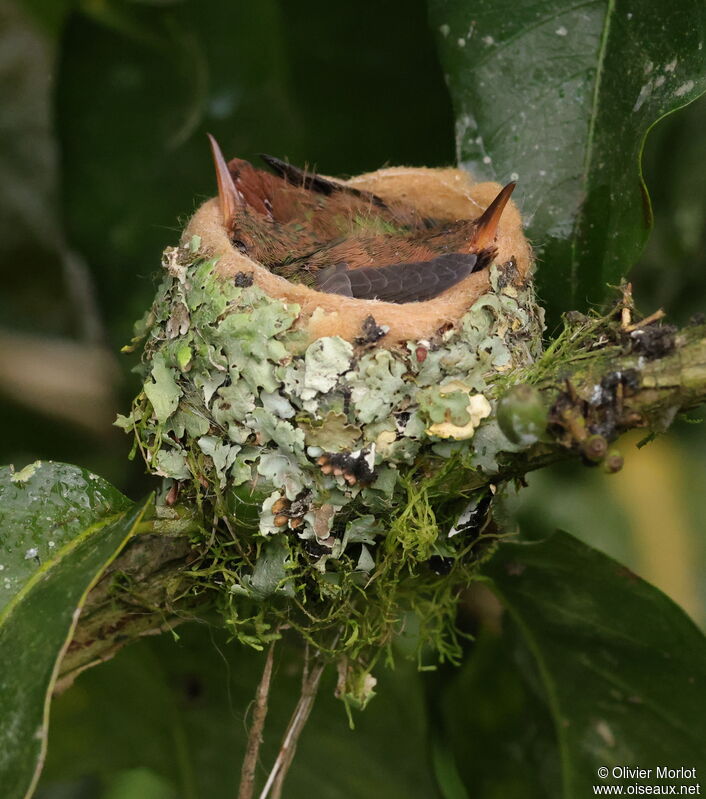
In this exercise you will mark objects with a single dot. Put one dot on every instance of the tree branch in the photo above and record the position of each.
(613, 386)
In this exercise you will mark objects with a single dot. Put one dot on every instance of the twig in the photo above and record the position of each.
(247, 774)
(648, 320)
(306, 674)
(626, 311)
(296, 724)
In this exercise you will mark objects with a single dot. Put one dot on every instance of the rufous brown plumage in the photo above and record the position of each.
(338, 239)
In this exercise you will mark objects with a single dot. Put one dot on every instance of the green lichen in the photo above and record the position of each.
(327, 498)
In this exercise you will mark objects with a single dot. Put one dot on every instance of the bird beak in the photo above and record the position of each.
(229, 198)
(487, 224)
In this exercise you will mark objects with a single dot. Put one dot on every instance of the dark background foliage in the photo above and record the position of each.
(103, 156)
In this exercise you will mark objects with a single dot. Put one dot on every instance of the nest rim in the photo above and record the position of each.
(444, 193)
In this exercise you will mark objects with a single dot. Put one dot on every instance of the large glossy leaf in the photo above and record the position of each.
(179, 709)
(59, 527)
(561, 95)
(496, 729)
(620, 667)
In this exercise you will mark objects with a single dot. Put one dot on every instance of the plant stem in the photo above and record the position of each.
(247, 774)
(310, 687)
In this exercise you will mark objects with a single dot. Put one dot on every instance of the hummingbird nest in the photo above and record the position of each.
(330, 442)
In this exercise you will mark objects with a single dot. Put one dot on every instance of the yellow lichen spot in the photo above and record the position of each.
(384, 441)
(478, 408)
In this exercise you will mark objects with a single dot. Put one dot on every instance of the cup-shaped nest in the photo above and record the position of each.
(337, 439)
(444, 194)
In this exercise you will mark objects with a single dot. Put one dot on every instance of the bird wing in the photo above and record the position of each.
(335, 280)
(405, 282)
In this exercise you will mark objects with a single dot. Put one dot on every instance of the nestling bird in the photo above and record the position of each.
(338, 239)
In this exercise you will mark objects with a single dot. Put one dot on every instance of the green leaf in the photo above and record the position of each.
(179, 710)
(43, 508)
(671, 271)
(561, 95)
(138, 782)
(59, 528)
(621, 667)
(490, 701)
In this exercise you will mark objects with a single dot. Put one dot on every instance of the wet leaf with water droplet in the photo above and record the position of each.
(563, 95)
(60, 526)
(45, 512)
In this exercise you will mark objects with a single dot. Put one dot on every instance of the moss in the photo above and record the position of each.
(326, 487)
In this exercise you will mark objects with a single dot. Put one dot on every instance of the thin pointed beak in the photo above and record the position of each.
(487, 224)
(229, 197)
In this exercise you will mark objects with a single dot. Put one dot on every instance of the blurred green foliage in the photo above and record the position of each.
(102, 157)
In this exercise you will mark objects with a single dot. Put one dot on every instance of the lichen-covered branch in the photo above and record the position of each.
(145, 591)
(611, 382)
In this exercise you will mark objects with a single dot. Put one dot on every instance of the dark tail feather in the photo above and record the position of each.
(405, 282)
(335, 280)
